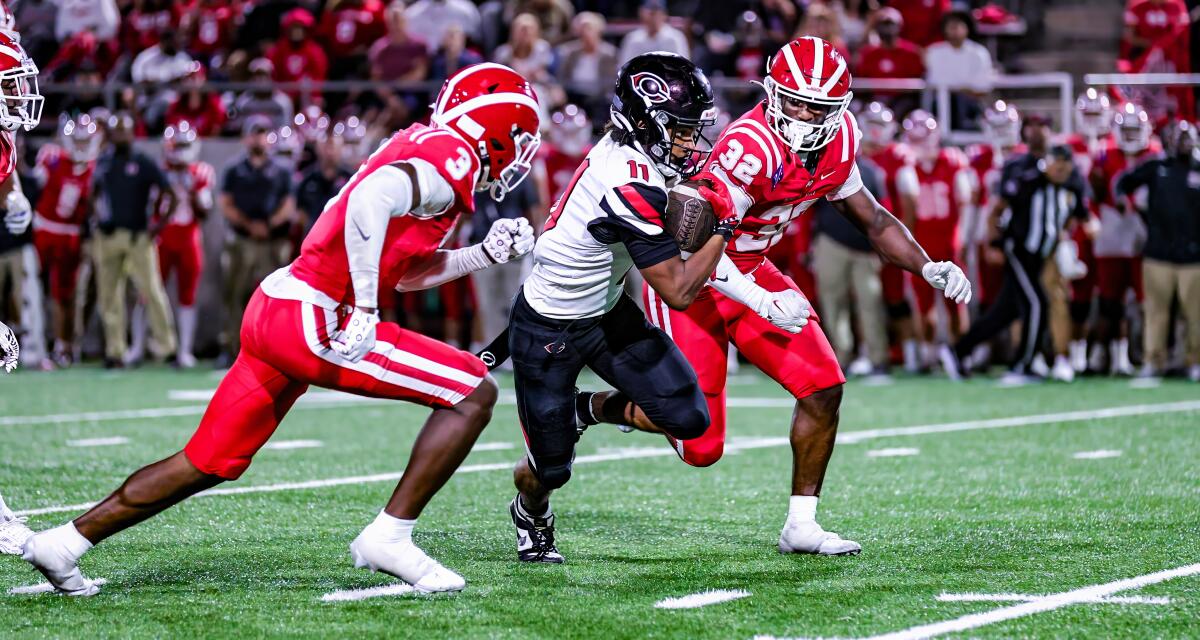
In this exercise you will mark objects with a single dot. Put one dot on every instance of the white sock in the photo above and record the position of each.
(802, 509)
(526, 512)
(187, 329)
(391, 529)
(68, 538)
(911, 359)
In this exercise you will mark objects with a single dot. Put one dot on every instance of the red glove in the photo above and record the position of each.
(716, 192)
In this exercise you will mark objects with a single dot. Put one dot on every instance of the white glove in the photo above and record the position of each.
(19, 215)
(1066, 255)
(950, 279)
(507, 239)
(358, 338)
(785, 309)
(10, 350)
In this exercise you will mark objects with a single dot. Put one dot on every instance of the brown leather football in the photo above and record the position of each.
(689, 217)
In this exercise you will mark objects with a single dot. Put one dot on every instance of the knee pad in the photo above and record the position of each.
(553, 476)
(688, 423)
(899, 310)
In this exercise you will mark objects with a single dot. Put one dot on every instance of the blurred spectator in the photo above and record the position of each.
(346, 30)
(89, 90)
(264, 99)
(209, 26)
(398, 56)
(263, 23)
(162, 62)
(553, 16)
(84, 49)
(713, 35)
(1157, 39)
(922, 19)
(295, 56)
(141, 27)
(823, 22)
(495, 287)
(200, 107)
(321, 182)
(430, 19)
(526, 51)
(852, 16)
(654, 34)
(452, 55)
(587, 64)
(100, 16)
(1171, 257)
(887, 55)
(129, 186)
(35, 21)
(963, 65)
(256, 200)
(780, 19)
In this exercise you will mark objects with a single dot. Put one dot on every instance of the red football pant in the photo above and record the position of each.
(180, 251)
(802, 363)
(285, 348)
(60, 255)
(1115, 276)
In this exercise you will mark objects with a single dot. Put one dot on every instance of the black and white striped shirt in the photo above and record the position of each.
(1038, 209)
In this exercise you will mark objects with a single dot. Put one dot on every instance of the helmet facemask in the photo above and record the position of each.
(799, 135)
(680, 148)
(526, 147)
(20, 100)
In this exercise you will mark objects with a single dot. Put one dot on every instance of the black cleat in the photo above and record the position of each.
(535, 536)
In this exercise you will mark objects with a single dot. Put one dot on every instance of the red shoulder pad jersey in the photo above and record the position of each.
(891, 160)
(769, 183)
(8, 155)
(945, 186)
(323, 264)
(195, 178)
(62, 206)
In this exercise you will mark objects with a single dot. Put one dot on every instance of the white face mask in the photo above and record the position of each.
(511, 176)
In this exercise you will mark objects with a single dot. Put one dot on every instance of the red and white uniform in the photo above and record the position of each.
(287, 326)
(771, 185)
(560, 168)
(1083, 289)
(945, 189)
(180, 249)
(1118, 245)
(8, 155)
(59, 215)
(899, 179)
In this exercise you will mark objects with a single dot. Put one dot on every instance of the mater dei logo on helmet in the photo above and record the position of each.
(651, 87)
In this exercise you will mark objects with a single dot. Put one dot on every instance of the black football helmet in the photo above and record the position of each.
(660, 100)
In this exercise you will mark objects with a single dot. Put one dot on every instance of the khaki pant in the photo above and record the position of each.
(247, 262)
(842, 272)
(1162, 281)
(1059, 297)
(12, 270)
(124, 255)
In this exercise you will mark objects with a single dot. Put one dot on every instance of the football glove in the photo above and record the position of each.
(507, 239)
(786, 309)
(357, 338)
(19, 215)
(10, 350)
(950, 279)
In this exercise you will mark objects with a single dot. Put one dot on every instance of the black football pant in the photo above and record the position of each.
(1021, 297)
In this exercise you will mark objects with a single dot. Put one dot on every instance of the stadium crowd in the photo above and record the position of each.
(311, 86)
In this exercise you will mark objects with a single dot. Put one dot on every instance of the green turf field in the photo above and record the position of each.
(985, 505)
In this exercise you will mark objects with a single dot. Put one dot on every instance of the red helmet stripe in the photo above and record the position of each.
(818, 59)
(459, 77)
(791, 61)
(837, 75)
(486, 101)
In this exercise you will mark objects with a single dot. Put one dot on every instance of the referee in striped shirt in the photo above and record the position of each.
(1041, 194)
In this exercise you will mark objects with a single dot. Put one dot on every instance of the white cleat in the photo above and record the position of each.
(405, 561)
(57, 565)
(809, 537)
(1063, 371)
(13, 534)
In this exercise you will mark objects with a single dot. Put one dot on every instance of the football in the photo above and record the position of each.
(689, 217)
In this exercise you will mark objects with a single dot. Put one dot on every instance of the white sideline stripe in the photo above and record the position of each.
(492, 446)
(702, 599)
(895, 452)
(98, 442)
(1145, 383)
(370, 592)
(284, 445)
(46, 587)
(849, 437)
(1097, 455)
(1021, 597)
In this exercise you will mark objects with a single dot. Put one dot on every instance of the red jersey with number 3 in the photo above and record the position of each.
(323, 264)
(772, 185)
(944, 187)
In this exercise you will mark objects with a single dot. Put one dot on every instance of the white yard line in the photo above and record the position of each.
(702, 599)
(894, 452)
(98, 442)
(46, 587)
(370, 592)
(492, 446)
(285, 445)
(739, 444)
(1097, 455)
(1021, 597)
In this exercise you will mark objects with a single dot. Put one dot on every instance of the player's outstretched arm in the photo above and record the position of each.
(895, 243)
(508, 239)
(785, 309)
(678, 281)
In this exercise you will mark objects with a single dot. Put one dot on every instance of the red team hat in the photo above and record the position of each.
(20, 100)
(810, 70)
(495, 110)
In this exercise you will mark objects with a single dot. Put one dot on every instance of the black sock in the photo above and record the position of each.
(583, 408)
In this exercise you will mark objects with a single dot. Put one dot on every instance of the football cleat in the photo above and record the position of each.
(535, 536)
(54, 562)
(1063, 371)
(809, 537)
(13, 534)
(950, 363)
(404, 560)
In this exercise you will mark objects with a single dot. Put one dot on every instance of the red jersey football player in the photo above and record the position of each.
(768, 167)
(65, 172)
(569, 139)
(945, 193)
(879, 127)
(180, 248)
(315, 323)
(20, 108)
(1002, 130)
(1118, 243)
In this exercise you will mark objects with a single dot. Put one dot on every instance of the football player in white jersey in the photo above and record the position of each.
(572, 311)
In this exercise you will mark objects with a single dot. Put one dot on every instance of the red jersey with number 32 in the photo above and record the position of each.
(772, 185)
(323, 264)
